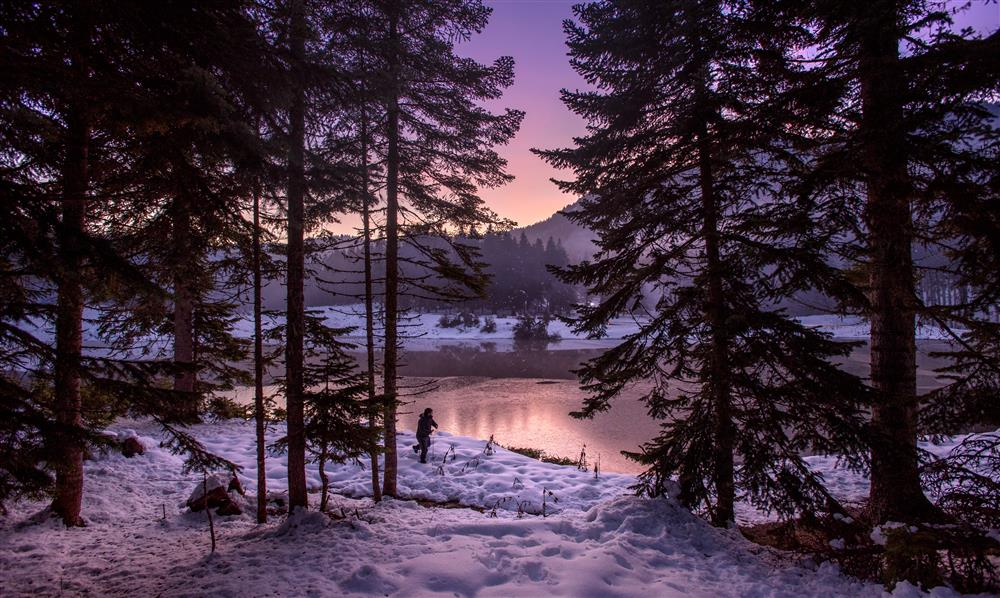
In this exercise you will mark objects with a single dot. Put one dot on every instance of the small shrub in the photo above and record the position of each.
(472, 464)
(546, 494)
(530, 328)
(450, 453)
(222, 408)
(489, 325)
(462, 320)
(496, 505)
(556, 460)
(446, 321)
(540, 455)
(527, 452)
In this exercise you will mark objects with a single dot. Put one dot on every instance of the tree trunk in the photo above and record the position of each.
(895, 483)
(369, 310)
(258, 366)
(324, 483)
(389, 389)
(69, 323)
(295, 318)
(69, 303)
(185, 378)
(717, 374)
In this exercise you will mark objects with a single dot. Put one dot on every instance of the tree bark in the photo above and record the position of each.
(185, 379)
(717, 374)
(369, 308)
(258, 366)
(69, 323)
(75, 175)
(295, 318)
(895, 482)
(389, 388)
(324, 482)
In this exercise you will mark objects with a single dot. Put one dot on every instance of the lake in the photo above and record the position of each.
(523, 397)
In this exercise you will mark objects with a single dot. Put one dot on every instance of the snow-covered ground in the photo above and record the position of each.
(423, 328)
(422, 332)
(853, 327)
(596, 540)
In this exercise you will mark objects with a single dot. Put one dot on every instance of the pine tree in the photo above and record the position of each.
(321, 174)
(336, 405)
(295, 259)
(903, 148)
(437, 150)
(77, 75)
(25, 224)
(680, 175)
(367, 203)
(260, 416)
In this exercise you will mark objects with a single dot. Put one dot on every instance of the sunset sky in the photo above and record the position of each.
(531, 32)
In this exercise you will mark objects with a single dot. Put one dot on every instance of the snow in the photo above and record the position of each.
(854, 327)
(597, 540)
(208, 484)
(421, 331)
(422, 328)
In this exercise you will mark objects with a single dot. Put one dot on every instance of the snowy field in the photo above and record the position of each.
(424, 327)
(422, 330)
(595, 540)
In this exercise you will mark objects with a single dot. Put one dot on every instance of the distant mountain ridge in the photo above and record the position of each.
(576, 240)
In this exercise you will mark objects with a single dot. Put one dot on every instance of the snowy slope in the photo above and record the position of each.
(601, 543)
(423, 328)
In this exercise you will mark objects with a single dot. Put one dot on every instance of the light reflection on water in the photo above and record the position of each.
(525, 412)
(523, 399)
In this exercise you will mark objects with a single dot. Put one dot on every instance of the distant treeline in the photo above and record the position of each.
(520, 279)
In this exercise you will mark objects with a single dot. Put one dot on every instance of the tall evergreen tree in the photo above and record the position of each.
(907, 145)
(680, 175)
(295, 258)
(78, 76)
(437, 151)
(321, 178)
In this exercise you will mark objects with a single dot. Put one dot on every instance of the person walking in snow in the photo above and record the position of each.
(424, 428)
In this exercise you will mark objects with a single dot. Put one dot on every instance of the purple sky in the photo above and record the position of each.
(531, 32)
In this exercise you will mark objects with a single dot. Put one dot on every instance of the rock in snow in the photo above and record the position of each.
(132, 447)
(213, 493)
(603, 542)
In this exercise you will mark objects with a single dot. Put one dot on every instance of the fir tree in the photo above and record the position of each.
(77, 74)
(680, 175)
(907, 147)
(436, 147)
(295, 257)
(336, 404)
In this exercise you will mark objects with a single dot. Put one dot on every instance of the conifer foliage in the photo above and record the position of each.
(138, 138)
(436, 144)
(681, 180)
(909, 151)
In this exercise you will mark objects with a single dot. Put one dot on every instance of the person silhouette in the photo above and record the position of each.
(425, 425)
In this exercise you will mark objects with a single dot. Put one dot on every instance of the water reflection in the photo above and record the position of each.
(523, 396)
(534, 413)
